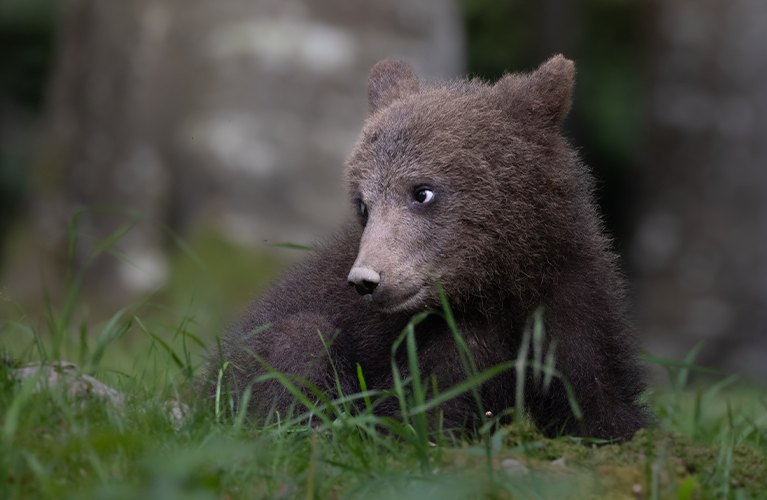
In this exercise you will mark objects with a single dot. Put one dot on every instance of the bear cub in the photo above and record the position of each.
(471, 188)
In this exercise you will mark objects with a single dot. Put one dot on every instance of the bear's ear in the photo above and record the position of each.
(390, 80)
(545, 95)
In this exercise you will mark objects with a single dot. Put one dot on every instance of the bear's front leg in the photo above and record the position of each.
(606, 381)
(291, 346)
(596, 354)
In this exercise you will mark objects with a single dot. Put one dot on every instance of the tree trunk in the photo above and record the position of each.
(702, 245)
(236, 114)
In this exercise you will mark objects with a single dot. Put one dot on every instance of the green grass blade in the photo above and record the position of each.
(519, 367)
(11, 419)
(333, 367)
(465, 386)
(292, 246)
(646, 358)
(419, 420)
(363, 386)
(681, 380)
(162, 343)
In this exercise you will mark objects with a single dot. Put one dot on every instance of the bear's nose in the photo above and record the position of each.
(364, 280)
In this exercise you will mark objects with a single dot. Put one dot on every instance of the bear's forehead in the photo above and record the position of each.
(430, 135)
(419, 123)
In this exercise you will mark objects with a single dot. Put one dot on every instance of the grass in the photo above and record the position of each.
(710, 442)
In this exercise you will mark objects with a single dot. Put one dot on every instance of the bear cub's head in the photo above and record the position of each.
(463, 183)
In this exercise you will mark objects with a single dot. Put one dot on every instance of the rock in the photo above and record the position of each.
(176, 412)
(7, 359)
(636, 490)
(514, 467)
(65, 375)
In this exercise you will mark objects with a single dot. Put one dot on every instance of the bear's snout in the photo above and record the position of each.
(365, 280)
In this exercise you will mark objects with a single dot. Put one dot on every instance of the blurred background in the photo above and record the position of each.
(196, 137)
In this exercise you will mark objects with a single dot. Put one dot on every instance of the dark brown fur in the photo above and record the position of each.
(512, 226)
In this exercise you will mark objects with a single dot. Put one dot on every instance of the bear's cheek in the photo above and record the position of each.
(407, 281)
(469, 248)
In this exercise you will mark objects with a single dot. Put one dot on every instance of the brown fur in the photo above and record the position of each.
(512, 226)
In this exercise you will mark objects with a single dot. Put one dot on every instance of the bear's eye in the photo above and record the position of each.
(424, 195)
(363, 212)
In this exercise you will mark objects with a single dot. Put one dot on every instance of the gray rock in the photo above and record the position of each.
(66, 377)
(514, 467)
(177, 412)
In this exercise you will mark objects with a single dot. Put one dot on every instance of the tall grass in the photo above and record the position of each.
(710, 442)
